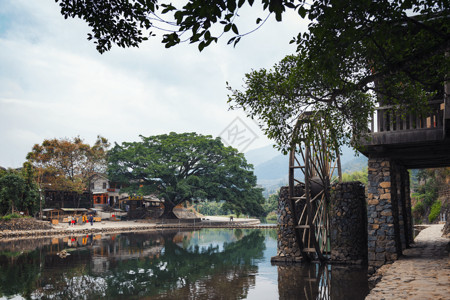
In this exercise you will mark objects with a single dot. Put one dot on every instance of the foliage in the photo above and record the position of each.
(31, 197)
(187, 166)
(361, 176)
(68, 164)
(435, 211)
(271, 203)
(18, 191)
(11, 216)
(11, 192)
(272, 216)
(349, 47)
(211, 208)
(427, 183)
(418, 211)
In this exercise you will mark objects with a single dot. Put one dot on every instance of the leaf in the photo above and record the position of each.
(231, 5)
(231, 40)
(201, 46)
(302, 11)
(235, 29)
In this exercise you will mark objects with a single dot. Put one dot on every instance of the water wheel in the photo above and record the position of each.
(311, 171)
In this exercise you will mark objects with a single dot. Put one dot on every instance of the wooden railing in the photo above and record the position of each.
(386, 120)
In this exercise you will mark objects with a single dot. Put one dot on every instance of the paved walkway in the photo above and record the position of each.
(422, 273)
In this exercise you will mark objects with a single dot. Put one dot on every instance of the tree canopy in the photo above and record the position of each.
(352, 53)
(68, 164)
(18, 191)
(186, 166)
(355, 53)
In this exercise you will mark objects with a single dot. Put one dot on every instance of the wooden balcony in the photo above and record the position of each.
(417, 141)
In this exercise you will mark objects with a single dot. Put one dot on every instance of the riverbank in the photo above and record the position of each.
(127, 226)
(423, 272)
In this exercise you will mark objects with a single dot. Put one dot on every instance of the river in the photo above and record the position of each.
(169, 264)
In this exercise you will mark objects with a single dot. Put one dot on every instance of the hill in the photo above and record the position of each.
(271, 167)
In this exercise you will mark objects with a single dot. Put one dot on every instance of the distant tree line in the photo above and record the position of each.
(174, 167)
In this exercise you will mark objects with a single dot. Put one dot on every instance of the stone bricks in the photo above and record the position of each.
(348, 218)
(387, 185)
(287, 246)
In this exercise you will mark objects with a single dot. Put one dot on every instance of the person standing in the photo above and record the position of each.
(91, 220)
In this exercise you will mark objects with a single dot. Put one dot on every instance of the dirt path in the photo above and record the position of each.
(423, 272)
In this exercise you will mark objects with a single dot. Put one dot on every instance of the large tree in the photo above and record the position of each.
(348, 48)
(186, 166)
(68, 164)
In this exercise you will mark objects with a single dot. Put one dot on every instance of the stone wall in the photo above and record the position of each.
(348, 223)
(287, 247)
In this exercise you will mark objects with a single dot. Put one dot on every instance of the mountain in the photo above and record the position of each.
(355, 164)
(261, 155)
(271, 167)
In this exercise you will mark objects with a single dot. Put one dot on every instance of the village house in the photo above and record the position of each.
(103, 191)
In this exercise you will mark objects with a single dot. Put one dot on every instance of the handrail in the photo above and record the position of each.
(388, 120)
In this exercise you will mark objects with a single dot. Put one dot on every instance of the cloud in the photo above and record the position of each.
(53, 83)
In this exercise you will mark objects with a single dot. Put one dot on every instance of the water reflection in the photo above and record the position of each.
(205, 264)
(322, 282)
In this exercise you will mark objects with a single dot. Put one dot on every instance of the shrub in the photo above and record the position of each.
(11, 216)
(418, 211)
(272, 216)
(435, 211)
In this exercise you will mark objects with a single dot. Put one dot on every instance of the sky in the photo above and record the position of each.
(54, 84)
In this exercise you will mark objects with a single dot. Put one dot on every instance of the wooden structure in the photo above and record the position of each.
(311, 169)
(64, 199)
(398, 141)
(415, 141)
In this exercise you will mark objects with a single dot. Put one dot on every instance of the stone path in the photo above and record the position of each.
(423, 272)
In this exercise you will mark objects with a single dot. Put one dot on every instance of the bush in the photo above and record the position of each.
(11, 216)
(272, 216)
(418, 212)
(435, 211)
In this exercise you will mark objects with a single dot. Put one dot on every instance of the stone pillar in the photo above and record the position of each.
(287, 246)
(384, 243)
(348, 223)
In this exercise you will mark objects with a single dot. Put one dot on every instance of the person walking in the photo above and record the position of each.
(91, 220)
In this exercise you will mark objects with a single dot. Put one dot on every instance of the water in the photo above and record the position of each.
(204, 264)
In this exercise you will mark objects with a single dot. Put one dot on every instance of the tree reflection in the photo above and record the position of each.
(137, 266)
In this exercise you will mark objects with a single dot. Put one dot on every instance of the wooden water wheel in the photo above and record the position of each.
(311, 173)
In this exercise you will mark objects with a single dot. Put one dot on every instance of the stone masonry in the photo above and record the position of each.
(348, 223)
(388, 211)
(287, 247)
